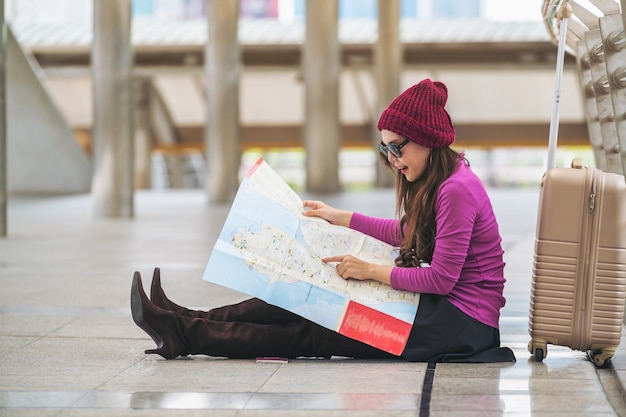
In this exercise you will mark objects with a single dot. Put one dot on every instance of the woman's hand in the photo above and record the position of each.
(326, 212)
(349, 266)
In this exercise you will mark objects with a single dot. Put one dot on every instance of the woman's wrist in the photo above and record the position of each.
(382, 273)
(345, 218)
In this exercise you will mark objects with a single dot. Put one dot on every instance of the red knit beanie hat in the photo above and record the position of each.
(418, 114)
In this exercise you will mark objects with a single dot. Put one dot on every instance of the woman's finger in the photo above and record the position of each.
(335, 258)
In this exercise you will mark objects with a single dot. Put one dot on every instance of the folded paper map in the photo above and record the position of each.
(268, 249)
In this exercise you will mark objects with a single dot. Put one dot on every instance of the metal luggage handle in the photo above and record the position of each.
(563, 14)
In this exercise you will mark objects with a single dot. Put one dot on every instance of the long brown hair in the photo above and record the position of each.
(415, 205)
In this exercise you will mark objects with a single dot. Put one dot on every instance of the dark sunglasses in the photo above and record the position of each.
(395, 150)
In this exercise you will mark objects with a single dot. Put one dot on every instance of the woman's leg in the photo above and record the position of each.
(251, 311)
(250, 340)
(179, 334)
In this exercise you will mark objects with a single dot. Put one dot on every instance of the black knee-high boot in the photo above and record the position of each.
(179, 335)
(249, 340)
(250, 311)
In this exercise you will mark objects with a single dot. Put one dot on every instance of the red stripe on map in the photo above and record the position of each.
(375, 328)
(254, 167)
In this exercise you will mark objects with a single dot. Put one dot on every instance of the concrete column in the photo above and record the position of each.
(321, 67)
(142, 134)
(112, 187)
(388, 68)
(222, 68)
(3, 125)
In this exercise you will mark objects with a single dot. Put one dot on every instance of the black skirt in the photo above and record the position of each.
(443, 333)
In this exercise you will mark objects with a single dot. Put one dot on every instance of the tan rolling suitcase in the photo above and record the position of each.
(579, 275)
(578, 287)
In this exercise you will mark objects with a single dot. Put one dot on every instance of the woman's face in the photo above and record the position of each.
(414, 159)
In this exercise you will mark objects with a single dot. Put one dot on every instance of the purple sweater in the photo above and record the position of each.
(467, 265)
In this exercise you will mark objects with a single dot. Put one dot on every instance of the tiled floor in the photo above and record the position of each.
(68, 346)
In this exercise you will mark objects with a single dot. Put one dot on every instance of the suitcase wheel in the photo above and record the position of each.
(538, 350)
(600, 358)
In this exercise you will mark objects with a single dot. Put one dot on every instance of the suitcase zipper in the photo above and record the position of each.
(588, 244)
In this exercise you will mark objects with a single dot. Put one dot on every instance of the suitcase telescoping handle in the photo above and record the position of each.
(563, 14)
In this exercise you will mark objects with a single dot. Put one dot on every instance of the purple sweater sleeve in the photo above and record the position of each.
(456, 210)
(386, 230)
